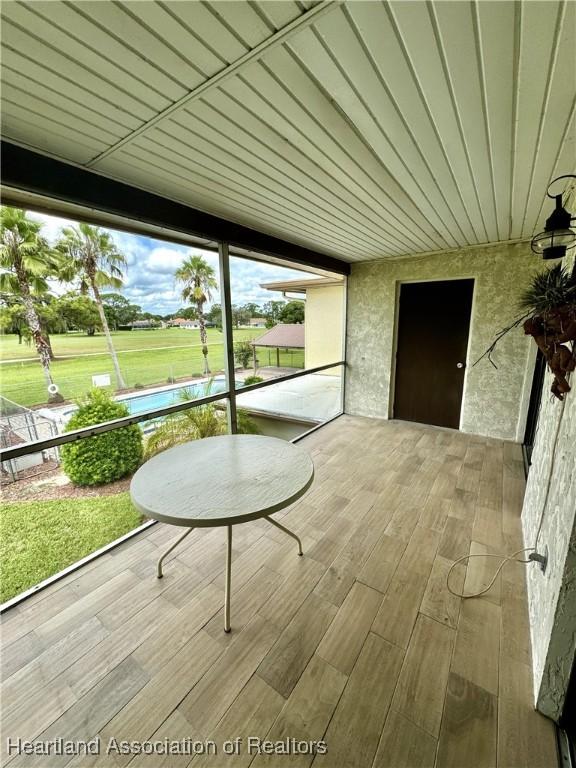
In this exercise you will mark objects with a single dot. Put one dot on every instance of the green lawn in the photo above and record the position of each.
(80, 343)
(40, 538)
(170, 352)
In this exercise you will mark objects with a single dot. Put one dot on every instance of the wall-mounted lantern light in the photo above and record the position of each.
(558, 235)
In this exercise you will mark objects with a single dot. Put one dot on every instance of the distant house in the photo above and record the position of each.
(181, 322)
(257, 322)
(144, 325)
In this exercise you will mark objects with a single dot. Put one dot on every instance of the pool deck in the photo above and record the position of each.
(315, 398)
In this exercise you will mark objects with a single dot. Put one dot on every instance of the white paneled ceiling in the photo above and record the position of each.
(359, 129)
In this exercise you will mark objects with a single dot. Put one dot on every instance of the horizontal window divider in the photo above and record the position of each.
(106, 426)
(78, 564)
(75, 566)
(288, 377)
(24, 449)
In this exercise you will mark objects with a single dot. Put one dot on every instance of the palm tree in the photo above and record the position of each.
(194, 424)
(93, 259)
(198, 280)
(26, 261)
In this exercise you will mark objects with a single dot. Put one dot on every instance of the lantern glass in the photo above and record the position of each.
(565, 238)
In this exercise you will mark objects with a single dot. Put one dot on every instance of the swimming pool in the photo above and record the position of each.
(149, 401)
(152, 400)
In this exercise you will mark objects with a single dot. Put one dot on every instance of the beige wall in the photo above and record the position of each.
(324, 325)
(494, 401)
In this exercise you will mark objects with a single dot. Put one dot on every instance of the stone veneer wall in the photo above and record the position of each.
(552, 595)
(492, 399)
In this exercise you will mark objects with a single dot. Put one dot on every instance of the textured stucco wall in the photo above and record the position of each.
(492, 399)
(552, 596)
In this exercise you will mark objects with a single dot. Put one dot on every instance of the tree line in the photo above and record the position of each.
(271, 312)
(84, 257)
(86, 260)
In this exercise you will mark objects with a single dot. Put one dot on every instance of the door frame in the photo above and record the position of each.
(471, 328)
(529, 369)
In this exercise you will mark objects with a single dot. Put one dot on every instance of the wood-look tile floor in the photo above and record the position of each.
(358, 643)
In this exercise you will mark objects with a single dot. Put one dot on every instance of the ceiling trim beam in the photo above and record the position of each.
(231, 70)
(38, 174)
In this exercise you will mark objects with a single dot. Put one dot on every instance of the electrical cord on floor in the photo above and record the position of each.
(505, 559)
(534, 557)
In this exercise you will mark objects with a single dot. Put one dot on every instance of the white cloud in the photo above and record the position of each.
(164, 260)
(51, 225)
(150, 266)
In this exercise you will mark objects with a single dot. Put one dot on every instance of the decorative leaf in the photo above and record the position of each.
(549, 290)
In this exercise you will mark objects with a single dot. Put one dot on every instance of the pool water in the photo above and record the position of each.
(148, 402)
(145, 402)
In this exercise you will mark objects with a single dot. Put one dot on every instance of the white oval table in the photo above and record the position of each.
(222, 481)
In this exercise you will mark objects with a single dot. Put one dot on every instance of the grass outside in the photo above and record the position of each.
(81, 344)
(156, 357)
(40, 538)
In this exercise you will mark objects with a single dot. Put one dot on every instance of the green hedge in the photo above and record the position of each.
(103, 458)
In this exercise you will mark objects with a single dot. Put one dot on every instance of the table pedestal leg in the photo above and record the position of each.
(286, 530)
(228, 581)
(187, 533)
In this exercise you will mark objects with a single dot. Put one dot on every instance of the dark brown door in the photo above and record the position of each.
(433, 325)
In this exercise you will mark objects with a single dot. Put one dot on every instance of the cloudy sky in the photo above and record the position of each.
(149, 275)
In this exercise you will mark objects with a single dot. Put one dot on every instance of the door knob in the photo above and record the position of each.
(459, 365)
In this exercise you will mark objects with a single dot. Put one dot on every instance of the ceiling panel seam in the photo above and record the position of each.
(78, 63)
(482, 70)
(457, 114)
(125, 8)
(516, 74)
(280, 192)
(375, 210)
(179, 20)
(28, 96)
(570, 124)
(35, 173)
(407, 128)
(368, 144)
(72, 82)
(212, 8)
(330, 190)
(261, 14)
(215, 194)
(76, 7)
(329, 227)
(423, 255)
(229, 71)
(398, 226)
(50, 120)
(418, 84)
(544, 111)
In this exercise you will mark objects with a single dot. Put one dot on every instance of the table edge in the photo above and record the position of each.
(219, 522)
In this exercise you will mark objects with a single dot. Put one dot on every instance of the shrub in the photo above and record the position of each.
(103, 458)
(243, 353)
(549, 289)
(194, 424)
(252, 380)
